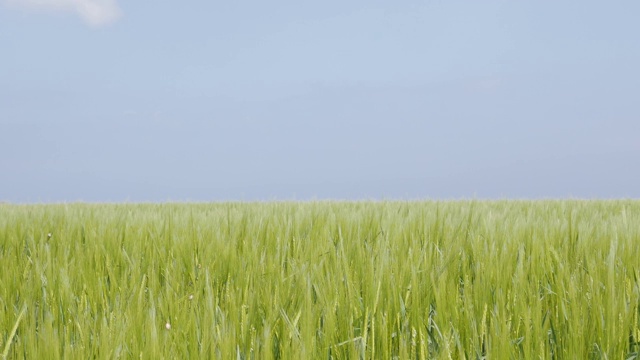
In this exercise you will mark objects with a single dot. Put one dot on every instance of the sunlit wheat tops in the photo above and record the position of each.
(326, 280)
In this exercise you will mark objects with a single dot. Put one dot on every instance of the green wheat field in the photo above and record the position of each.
(321, 280)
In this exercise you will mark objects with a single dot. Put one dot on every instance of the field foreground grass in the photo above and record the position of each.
(324, 280)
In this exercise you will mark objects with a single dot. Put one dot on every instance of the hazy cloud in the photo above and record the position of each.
(92, 12)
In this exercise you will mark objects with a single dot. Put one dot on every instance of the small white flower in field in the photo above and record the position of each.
(191, 297)
(167, 326)
(49, 235)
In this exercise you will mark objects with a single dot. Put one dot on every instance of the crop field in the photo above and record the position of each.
(321, 280)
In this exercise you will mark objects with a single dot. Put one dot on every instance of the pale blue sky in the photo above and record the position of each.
(262, 100)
